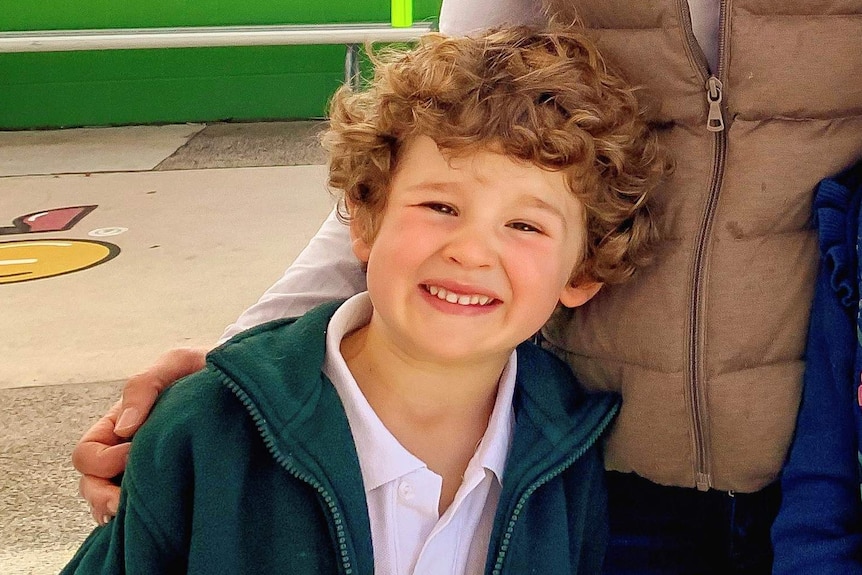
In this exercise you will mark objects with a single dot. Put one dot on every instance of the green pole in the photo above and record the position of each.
(402, 13)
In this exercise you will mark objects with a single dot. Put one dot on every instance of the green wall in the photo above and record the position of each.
(114, 87)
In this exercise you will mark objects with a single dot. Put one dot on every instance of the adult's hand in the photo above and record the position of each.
(101, 453)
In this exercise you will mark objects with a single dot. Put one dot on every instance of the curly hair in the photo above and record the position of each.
(544, 97)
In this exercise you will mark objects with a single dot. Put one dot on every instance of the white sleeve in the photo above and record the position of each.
(460, 17)
(325, 270)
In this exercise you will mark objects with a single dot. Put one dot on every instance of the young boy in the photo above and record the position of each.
(485, 181)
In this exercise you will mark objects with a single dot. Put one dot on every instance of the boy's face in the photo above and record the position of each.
(472, 254)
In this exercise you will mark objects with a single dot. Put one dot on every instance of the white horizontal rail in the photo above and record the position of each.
(207, 36)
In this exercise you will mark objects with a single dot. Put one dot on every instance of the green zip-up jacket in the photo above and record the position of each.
(249, 466)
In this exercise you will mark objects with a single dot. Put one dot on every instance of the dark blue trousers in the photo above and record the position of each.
(657, 530)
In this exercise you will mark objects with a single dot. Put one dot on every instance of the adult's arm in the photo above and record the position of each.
(325, 270)
(819, 525)
(462, 17)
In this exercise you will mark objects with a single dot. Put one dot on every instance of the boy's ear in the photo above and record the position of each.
(577, 295)
(361, 248)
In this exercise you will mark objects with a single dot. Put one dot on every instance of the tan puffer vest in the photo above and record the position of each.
(706, 345)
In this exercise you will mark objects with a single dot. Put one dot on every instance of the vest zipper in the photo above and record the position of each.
(715, 123)
(331, 505)
(715, 119)
(543, 479)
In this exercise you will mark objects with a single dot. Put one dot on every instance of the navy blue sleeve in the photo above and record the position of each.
(819, 526)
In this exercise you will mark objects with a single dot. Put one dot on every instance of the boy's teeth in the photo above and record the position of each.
(452, 297)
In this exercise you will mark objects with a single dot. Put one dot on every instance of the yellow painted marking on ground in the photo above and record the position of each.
(29, 260)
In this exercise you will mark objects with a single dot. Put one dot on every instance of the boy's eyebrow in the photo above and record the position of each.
(435, 186)
(537, 202)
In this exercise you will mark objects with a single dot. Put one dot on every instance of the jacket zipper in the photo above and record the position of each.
(543, 479)
(331, 505)
(715, 124)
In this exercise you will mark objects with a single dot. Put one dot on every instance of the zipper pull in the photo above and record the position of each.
(714, 121)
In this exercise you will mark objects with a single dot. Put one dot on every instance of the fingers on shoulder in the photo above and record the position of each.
(100, 459)
(102, 495)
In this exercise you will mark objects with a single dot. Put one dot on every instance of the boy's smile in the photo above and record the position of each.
(471, 255)
(452, 295)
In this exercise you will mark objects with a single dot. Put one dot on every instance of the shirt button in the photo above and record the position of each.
(405, 491)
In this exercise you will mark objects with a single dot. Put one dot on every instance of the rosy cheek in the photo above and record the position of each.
(532, 270)
(540, 253)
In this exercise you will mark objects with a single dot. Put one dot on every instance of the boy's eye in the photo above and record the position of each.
(524, 227)
(438, 207)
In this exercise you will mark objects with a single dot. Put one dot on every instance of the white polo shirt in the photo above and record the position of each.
(408, 534)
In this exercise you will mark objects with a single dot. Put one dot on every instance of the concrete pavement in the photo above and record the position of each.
(117, 244)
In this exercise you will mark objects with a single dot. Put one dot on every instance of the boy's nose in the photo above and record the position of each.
(472, 247)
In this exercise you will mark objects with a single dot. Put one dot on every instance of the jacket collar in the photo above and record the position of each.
(291, 352)
(554, 422)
